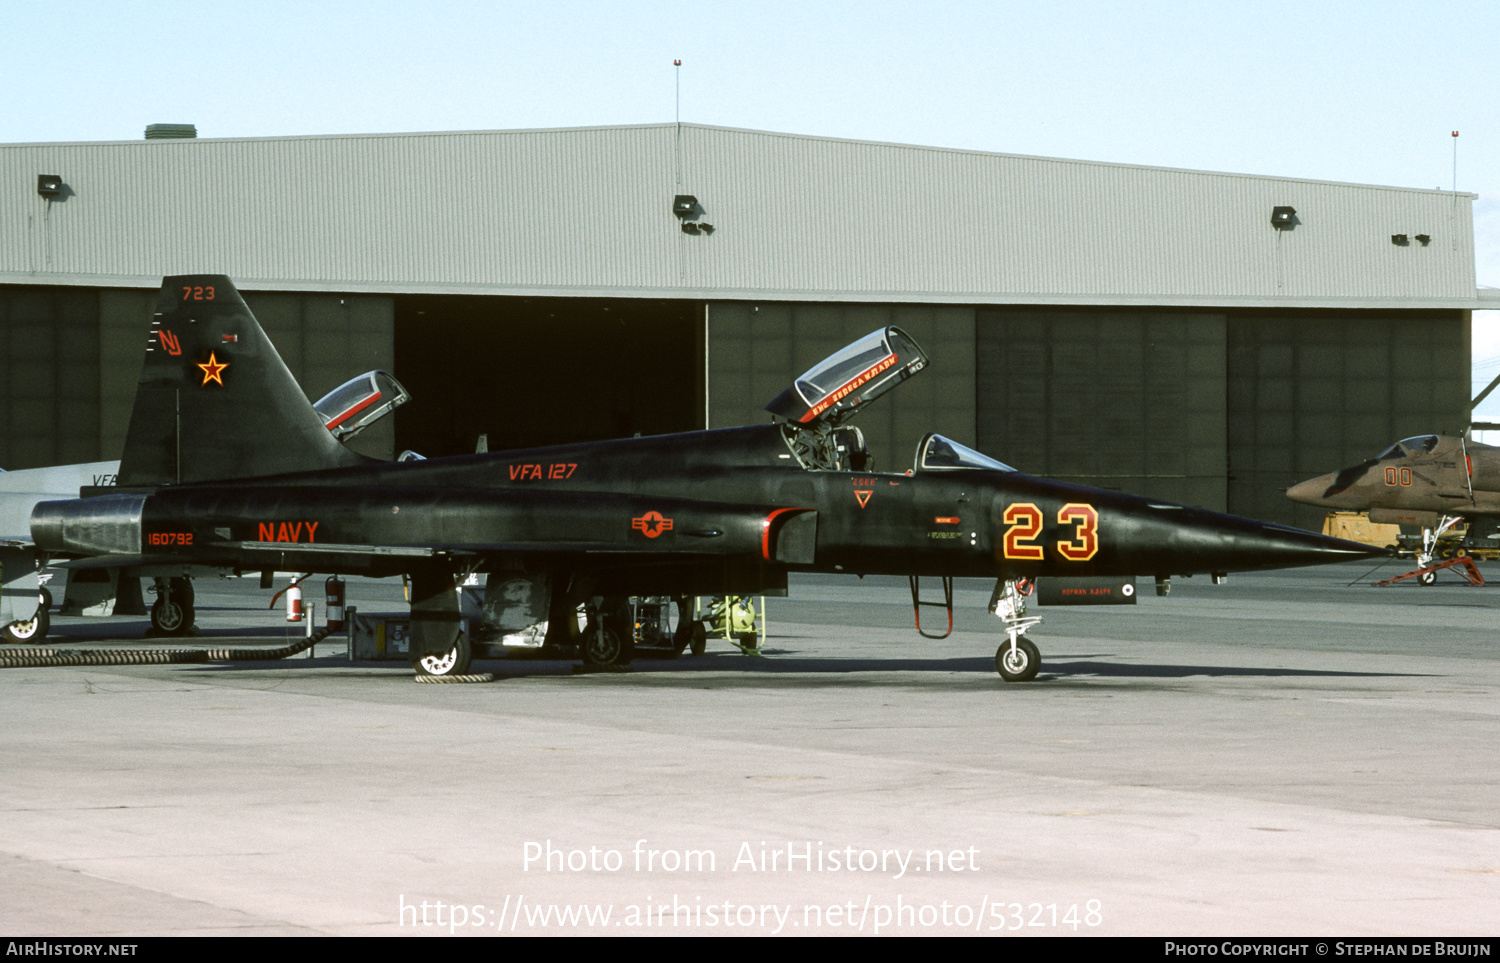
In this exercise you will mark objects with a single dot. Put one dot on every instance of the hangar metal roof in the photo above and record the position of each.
(588, 212)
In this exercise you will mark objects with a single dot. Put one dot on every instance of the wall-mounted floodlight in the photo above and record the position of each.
(49, 185)
(1424, 239)
(1400, 240)
(1283, 217)
(684, 205)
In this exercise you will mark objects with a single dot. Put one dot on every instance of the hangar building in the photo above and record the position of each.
(1128, 327)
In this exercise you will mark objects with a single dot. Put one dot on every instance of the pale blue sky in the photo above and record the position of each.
(1364, 92)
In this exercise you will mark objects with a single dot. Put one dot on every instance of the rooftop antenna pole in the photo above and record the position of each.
(677, 115)
(1455, 162)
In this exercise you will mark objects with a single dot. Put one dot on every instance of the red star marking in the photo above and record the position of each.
(213, 369)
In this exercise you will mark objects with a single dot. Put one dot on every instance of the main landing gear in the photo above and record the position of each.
(172, 612)
(1017, 659)
(454, 662)
(1428, 563)
(609, 637)
(33, 629)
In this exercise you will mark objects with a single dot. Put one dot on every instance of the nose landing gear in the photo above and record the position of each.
(1017, 659)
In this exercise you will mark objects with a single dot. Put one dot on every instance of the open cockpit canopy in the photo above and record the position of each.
(832, 390)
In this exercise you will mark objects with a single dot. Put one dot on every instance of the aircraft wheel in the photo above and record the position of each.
(699, 643)
(33, 629)
(453, 662)
(46, 598)
(1427, 578)
(1020, 665)
(610, 638)
(171, 617)
(605, 646)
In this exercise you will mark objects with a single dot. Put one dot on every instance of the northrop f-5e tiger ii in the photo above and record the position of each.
(227, 465)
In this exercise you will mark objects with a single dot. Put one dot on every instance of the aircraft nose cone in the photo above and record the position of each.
(1294, 547)
(1161, 538)
(1312, 491)
(1245, 545)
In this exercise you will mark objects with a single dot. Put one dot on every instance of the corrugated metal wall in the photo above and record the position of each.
(49, 376)
(1219, 409)
(70, 359)
(1120, 399)
(587, 211)
(1311, 392)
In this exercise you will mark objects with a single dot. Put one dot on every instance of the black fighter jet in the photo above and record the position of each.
(227, 465)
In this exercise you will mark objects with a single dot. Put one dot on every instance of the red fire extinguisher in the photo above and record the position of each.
(333, 590)
(294, 603)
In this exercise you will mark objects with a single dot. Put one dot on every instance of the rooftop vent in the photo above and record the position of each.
(171, 131)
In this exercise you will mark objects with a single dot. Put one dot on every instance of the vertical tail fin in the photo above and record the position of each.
(215, 400)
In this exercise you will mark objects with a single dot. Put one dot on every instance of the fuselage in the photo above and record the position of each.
(733, 496)
(1441, 474)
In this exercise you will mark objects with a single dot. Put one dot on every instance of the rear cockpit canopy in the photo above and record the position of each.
(360, 402)
(936, 453)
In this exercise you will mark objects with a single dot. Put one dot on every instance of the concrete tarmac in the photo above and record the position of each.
(1282, 755)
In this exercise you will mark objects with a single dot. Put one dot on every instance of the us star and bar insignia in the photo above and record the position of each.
(651, 524)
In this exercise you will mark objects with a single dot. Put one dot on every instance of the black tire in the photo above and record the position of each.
(606, 646)
(1018, 666)
(615, 644)
(455, 661)
(172, 617)
(699, 642)
(182, 591)
(33, 629)
(46, 598)
(1427, 578)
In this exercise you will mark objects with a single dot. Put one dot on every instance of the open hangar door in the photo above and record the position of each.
(544, 371)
